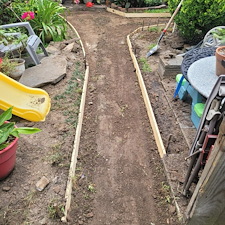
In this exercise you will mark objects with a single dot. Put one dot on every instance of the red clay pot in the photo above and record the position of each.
(220, 61)
(8, 159)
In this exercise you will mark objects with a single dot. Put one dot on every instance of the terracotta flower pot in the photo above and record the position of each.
(8, 159)
(220, 60)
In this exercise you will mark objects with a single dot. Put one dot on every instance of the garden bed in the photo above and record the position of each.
(132, 13)
(48, 153)
(172, 116)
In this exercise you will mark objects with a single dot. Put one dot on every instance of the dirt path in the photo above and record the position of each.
(118, 156)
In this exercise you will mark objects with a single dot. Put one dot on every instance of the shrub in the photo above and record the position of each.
(195, 18)
(6, 14)
(153, 2)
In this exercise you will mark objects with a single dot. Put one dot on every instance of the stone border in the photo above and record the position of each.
(77, 135)
(152, 120)
(137, 15)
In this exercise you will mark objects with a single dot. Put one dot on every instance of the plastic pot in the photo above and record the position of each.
(8, 159)
(19, 68)
(220, 60)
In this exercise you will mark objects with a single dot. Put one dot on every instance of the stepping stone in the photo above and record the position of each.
(51, 70)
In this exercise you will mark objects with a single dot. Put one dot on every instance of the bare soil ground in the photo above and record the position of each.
(120, 178)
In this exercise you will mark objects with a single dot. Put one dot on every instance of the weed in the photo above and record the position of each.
(165, 187)
(123, 108)
(72, 93)
(166, 192)
(86, 196)
(30, 197)
(91, 188)
(55, 209)
(154, 29)
(157, 11)
(56, 157)
(144, 64)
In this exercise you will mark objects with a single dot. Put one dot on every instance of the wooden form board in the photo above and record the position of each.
(154, 125)
(77, 138)
(137, 15)
(207, 205)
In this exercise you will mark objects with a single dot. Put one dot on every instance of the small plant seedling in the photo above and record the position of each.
(55, 209)
(91, 188)
(145, 66)
(154, 29)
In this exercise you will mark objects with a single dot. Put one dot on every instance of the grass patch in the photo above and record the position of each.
(144, 65)
(157, 11)
(69, 100)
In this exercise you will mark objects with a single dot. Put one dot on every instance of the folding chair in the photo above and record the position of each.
(32, 43)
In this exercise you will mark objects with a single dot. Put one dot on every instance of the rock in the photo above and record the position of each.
(52, 50)
(57, 189)
(172, 209)
(80, 222)
(42, 183)
(51, 70)
(89, 215)
(43, 221)
(55, 180)
(6, 188)
(69, 47)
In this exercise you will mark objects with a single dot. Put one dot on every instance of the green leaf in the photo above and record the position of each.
(7, 115)
(127, 5)
(24, 130)
(5, 131)
(2, 146)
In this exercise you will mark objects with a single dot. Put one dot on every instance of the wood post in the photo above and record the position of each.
(207, 205)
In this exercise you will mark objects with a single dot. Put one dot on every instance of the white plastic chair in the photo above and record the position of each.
(210, 40)
(33, 41)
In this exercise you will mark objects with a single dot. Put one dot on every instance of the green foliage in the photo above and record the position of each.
(144, 65)
(6, 14)
(48, 23)
(220, 34)
(196, 17)
(137, 3)
(7, 66)
(153, 2)
(9, 129)
(166, 10)
(12, 37)
(154, 29)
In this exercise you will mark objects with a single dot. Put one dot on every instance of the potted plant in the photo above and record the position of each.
(220, 60)
(9, 135)
(12, 43)
(219, 39)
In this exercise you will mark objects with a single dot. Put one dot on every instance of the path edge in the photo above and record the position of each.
(76, 144)
(151, 115)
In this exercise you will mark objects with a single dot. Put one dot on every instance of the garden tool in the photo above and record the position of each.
(208, 125)
(156, 47)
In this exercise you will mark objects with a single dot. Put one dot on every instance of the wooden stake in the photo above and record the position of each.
(77, 138)
(157, 136)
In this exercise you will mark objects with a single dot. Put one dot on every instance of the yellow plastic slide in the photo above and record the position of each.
(29, 103)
